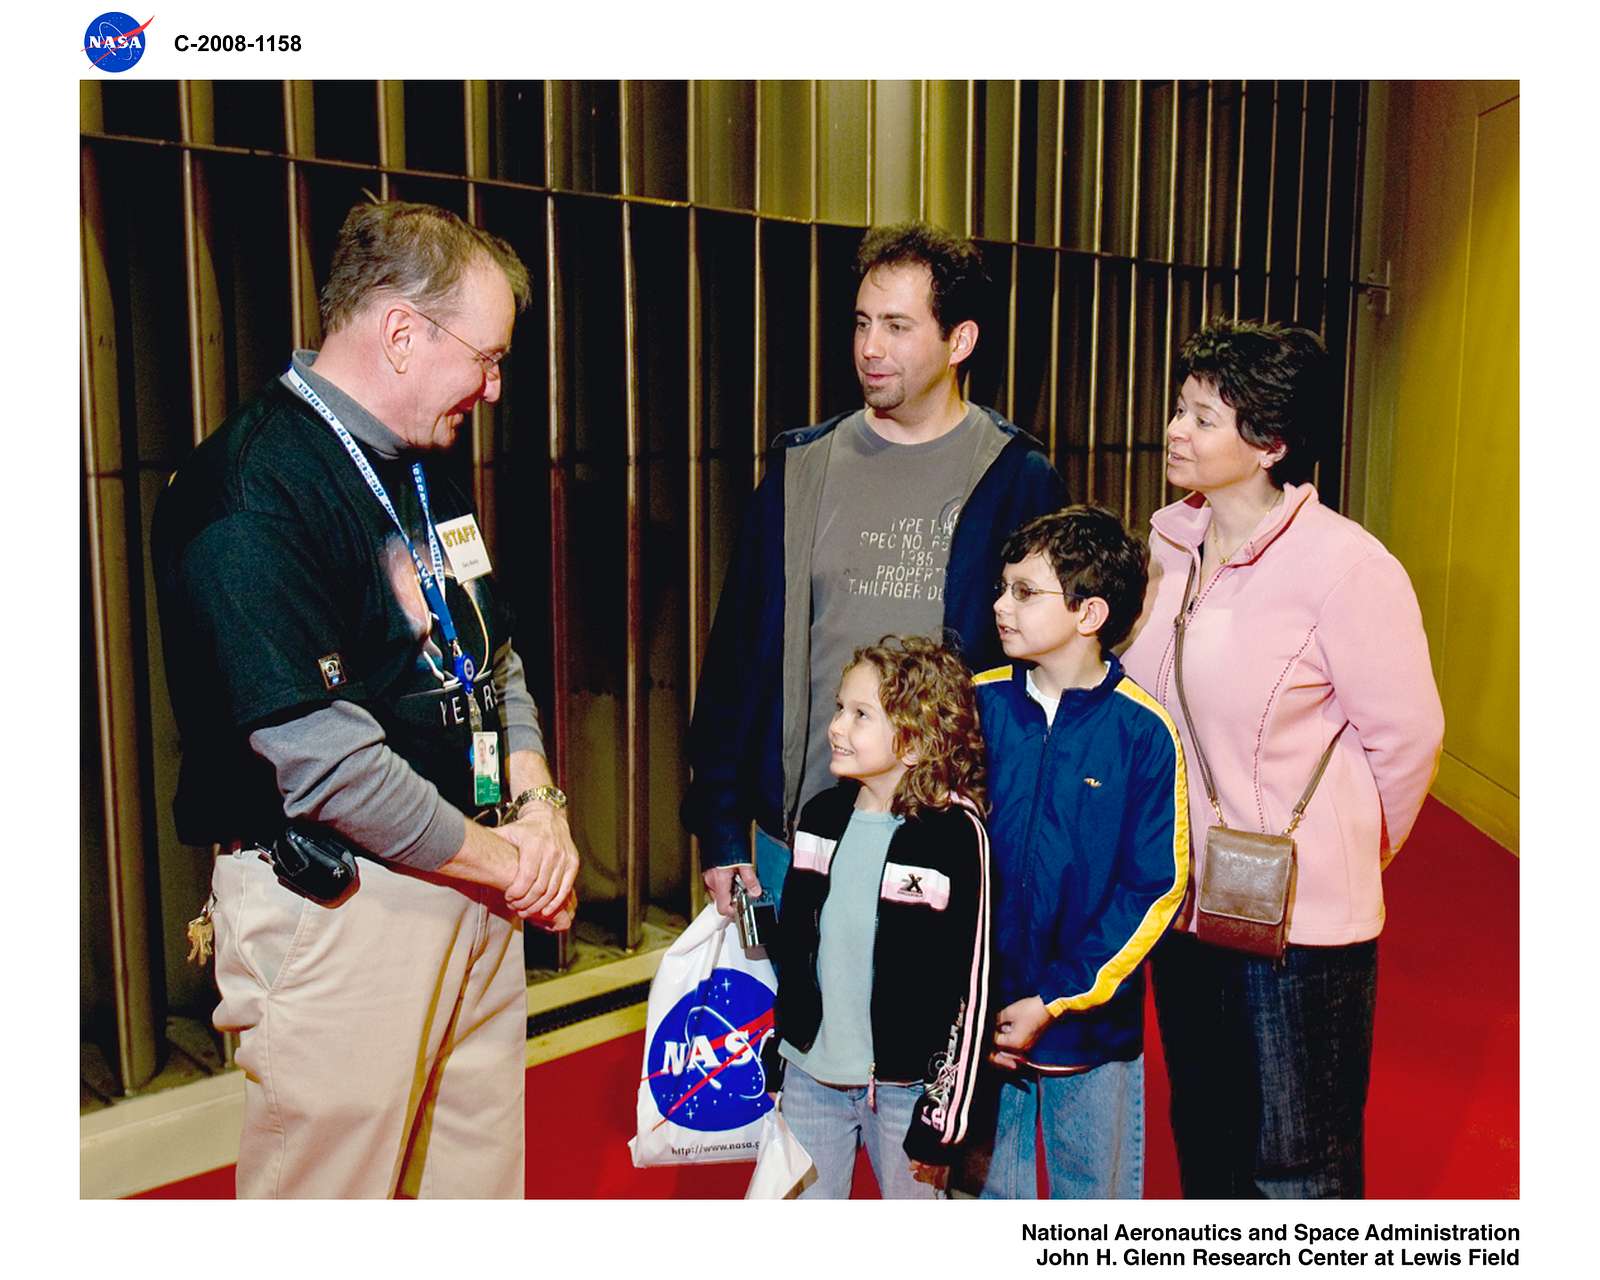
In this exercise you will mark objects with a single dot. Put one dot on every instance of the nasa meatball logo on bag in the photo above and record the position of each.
(702, 1091)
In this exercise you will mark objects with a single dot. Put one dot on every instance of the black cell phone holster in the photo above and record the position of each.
(314, 863)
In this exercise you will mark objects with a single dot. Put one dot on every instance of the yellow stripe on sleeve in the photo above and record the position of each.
(1161, 911)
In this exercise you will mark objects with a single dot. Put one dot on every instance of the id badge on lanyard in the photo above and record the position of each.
(484, 754)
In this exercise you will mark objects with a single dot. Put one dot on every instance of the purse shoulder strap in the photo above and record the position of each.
(1181, 625)
(1316, 777)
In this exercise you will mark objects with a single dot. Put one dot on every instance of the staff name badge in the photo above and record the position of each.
(464, 545)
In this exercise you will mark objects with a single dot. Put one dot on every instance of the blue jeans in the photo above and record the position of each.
(772, 865)
(1093, 1127)
(1269, 1067)
(832, 1123)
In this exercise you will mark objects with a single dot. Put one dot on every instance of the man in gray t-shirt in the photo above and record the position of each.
(862, 527)
(878, 560)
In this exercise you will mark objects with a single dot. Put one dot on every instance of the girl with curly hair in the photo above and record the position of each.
(883, 942)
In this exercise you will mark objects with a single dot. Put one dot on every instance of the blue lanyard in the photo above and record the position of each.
(432, 580)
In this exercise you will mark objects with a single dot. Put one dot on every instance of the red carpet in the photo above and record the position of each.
(1442, 1122)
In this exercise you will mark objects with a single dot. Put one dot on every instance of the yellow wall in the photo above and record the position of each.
(1440, 482)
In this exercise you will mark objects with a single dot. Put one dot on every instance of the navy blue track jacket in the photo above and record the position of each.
(1089, 827)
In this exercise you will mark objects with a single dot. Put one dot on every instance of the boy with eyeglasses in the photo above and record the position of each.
(1090, 836)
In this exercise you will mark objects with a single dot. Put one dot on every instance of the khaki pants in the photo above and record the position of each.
(382, 1040)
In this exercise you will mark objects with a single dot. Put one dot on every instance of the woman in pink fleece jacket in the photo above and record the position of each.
(1299, 622)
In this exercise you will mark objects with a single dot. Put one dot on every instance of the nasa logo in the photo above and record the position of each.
(705, 1057)
(114, 41)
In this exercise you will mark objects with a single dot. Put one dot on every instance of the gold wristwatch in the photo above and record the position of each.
(546, 793)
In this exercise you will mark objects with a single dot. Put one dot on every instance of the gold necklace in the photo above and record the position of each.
(1216, 544)
(1217, 551)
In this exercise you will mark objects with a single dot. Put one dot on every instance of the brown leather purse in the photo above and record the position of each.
(1246, 891)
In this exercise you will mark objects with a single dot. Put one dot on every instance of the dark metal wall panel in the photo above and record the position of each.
(896, 150)
(346, 125)
(724, 121)
(989, 366)
(657, 140)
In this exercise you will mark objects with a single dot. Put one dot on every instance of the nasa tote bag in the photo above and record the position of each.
(702, 1092)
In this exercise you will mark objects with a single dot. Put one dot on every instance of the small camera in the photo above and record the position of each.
(757, 918)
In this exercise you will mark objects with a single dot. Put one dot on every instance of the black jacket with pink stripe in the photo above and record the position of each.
(930, 959)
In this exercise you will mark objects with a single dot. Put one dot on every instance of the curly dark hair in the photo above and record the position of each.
(1093, 554)
(1278, 381)
(927, 695)
(953, 261)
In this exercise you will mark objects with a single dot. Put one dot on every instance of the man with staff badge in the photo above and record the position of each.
(359, 740)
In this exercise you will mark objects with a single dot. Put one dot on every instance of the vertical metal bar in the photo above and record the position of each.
(698, 479)
(91, 107)
(759, 356)
(1205, 257)
(1272, 193)
(1327, 215)
(758, 353)
(106, 482)
(1353, 275)
(1014, 228)
(1172, 245)
(1094, 304)
(298, 134)
(971, 148)
(1056, 256)
(475, 130)
(922, 150)
(202, 300)
(814, 325)
(391, 131)
(637, 749)
(381, 115)
(1133, 304)
(560, 633)
(816, 148)
(1172, 255)
(1238, 197)
(1300, 197)
(872, 148)
(756, 130)
(476, 122)
(1172, 175)
(475, 139)
(814, 285)
(1205, 241)
(1099, 162)
(761, 200)
(1205, 234)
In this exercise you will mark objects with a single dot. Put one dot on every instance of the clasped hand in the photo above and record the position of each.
(542, 891)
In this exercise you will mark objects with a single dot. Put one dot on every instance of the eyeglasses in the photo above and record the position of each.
(486, 361)
(1021, 592)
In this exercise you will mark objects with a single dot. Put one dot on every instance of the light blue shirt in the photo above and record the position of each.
(842, 1052)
